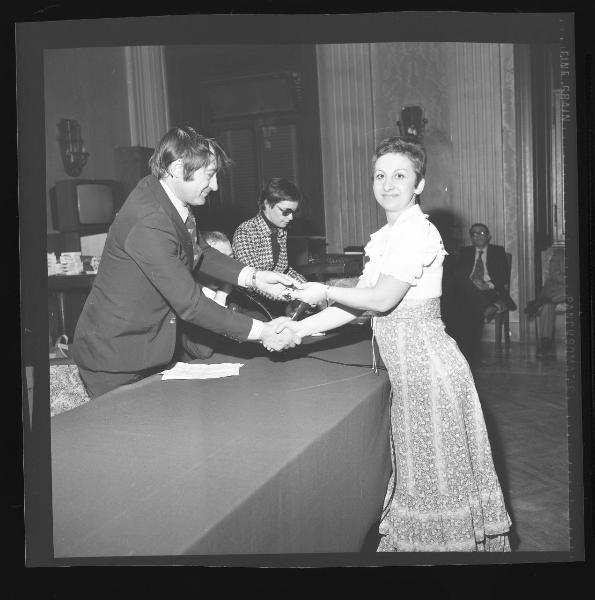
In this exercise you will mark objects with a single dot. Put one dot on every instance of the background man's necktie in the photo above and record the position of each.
(191, 226)
(478, 270)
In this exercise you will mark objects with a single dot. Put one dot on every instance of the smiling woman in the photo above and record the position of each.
(398, 180)
(447, 496)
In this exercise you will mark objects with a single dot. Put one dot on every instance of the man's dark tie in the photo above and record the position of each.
(478, 271)
(276, 247)
(191, 226)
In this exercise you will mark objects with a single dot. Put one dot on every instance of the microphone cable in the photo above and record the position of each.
(337, 362)
(247, 295)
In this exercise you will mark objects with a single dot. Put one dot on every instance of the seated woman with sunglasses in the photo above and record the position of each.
(261, 242)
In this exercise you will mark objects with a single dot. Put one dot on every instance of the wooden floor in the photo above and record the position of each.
(525, 406)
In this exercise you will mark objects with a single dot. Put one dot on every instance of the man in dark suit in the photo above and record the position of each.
(145, 297)
(481, 278)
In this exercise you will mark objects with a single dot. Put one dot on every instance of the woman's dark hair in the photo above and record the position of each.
(277, 190)
(407, 146)
(194, 149)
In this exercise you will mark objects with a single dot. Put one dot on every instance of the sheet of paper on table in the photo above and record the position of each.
(183, 370)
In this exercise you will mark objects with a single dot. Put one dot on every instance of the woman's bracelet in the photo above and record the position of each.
(253, 280)
(326, 295)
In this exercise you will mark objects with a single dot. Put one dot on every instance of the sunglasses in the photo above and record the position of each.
(482, 233)
(287, 211)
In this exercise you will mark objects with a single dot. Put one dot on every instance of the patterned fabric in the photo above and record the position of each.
(252, 245)
(444, 494)
(478, 271)
(66, 389)
(447, 495)
(191, 226)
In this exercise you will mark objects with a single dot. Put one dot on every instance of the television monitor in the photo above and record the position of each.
(84, 205)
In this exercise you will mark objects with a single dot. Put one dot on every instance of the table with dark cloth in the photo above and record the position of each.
(291, 456)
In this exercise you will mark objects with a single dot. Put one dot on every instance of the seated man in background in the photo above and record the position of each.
(480, 274)
(213, 288)
(198, 342)
(261, 242)
(553, 292)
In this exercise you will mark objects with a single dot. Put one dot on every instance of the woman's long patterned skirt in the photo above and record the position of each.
(447, 496)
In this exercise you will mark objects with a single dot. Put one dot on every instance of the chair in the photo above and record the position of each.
(560, 307)
(67, 390)
(502, 320)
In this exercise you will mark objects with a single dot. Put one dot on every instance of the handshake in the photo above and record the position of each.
(284, 332)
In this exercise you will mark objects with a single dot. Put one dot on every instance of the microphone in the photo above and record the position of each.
(299, 310)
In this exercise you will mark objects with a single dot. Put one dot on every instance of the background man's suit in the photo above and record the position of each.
(473, 301)
(145, 286)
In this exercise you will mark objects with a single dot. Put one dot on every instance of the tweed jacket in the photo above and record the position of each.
(252, 245)
(145, 284)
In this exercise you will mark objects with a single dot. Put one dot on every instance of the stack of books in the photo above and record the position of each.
(54, 267)
(71, 263)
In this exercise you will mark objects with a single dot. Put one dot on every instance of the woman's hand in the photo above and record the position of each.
(312, 292)
(297, 328)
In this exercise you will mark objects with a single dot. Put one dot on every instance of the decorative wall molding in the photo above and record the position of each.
(525, 230)
(347, 143)
(510, 192)
(147, 94)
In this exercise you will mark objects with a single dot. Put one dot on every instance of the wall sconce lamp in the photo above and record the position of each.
(412, 122)
(72, 148)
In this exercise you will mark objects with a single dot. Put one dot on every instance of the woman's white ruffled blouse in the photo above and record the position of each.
(407, 249)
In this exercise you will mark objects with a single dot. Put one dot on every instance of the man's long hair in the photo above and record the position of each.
(195, 151)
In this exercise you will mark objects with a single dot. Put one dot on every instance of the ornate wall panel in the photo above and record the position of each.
(407, 73)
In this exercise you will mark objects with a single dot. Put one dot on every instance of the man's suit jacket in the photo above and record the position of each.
(145, 284)
(496, 264)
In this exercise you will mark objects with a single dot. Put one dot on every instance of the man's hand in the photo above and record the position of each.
(276, 284)
(312, 292)
(274, 341)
